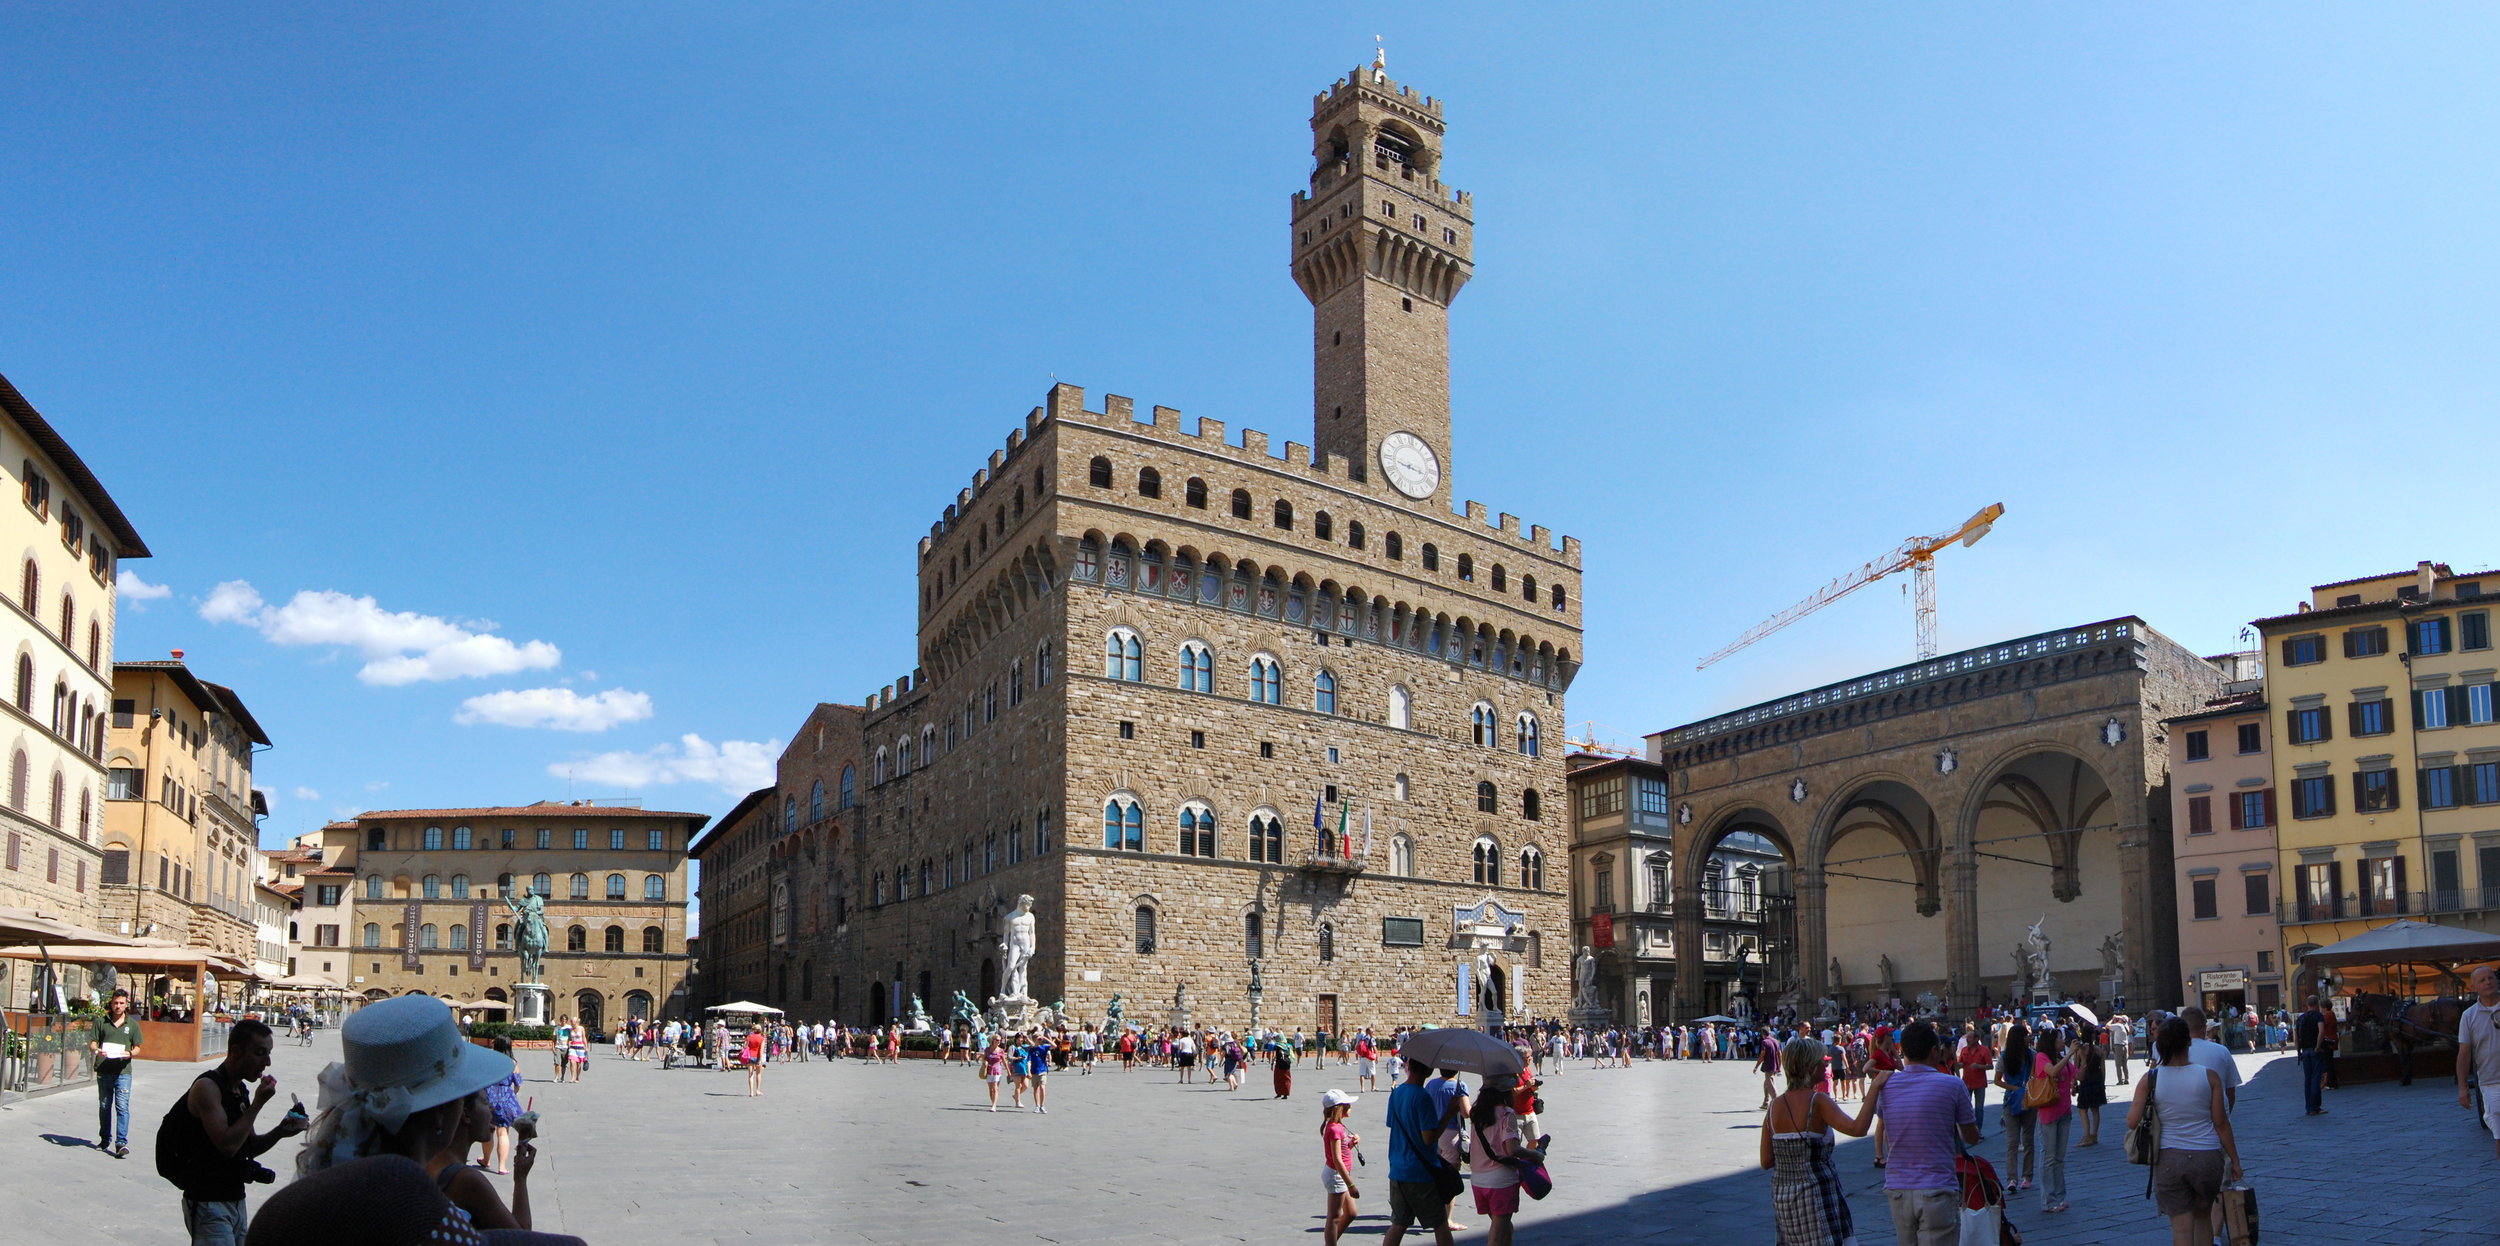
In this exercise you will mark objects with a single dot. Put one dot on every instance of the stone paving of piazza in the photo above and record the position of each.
(850, 1153)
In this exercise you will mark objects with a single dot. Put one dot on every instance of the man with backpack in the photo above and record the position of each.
(205, 1144)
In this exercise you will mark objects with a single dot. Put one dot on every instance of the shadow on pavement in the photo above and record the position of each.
(66, 1140)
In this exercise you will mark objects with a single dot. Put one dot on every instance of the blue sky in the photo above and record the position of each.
(619, 354)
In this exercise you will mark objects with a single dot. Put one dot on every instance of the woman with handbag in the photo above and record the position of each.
(1808, 1205)
(2180, 1103)
(2052, 1078)
(2022, 1156)
(1497, 1138)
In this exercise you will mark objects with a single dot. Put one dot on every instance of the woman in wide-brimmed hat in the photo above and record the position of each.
(406, 1088)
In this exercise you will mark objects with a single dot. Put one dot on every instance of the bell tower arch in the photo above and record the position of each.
(1381, 248)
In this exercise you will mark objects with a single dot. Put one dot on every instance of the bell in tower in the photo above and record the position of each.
(1380, 248)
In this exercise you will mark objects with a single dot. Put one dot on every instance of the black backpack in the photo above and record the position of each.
(183, 1154)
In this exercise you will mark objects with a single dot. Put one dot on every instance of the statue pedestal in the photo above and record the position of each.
(529, 1003)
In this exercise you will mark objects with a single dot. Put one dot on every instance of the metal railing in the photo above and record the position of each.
(2353, 906)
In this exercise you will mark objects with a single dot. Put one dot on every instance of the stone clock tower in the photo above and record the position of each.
(1381, 248)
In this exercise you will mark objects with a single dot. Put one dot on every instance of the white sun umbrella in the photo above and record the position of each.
(1471, 1051)
(745, 1006)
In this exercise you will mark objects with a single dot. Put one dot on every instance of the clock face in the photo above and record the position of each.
(1411, 466)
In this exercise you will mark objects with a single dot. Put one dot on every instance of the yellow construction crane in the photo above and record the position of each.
(1918, 554)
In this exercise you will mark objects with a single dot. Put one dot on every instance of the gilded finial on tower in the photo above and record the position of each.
(1380, 59)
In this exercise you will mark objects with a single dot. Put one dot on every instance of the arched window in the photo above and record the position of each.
(1488, 858)
(654, 887)
(880, 773)
(95, 643)
(1254, 936)
(373, 886)
(1401, 708)
(1558, 597)
(69, 620)
(1530, 805)
(1466, 566)
(1487, 800)
(1197, 668)
(1354, 533)
(1527, 588)
(459, 886)
(581, 886)
(1197, 830)
(26, 682)
(1098, 473)
(614, 940)
(651, 940)
(1041, 832)
(1402, 856)
(1532, 869)
(543, 885)
(1395, 547)
(1123, 824)
(1327, 941)
(816, 802)
(432, 887)
(373, 934)
(1267, 839)
(1241, 503)
(33, 582)
(850, 787)
(1149, 483)
(59, 800)
(459, 938)
(928, 746)
(1195, 493)
(1284, 514)
(1266, 681)
(1480, 724)
(577, 939)
(427, 936)
(616, 886)
(1526, 727)
(1324, 693)
(1145, 930)
(1432, 557)
(1501, 581)
(433, 838)
(1120, 656)
(503, 886)
(1322, 527)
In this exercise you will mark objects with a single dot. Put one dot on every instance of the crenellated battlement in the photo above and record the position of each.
(1066, 403)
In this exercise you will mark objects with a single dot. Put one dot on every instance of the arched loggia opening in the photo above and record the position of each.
(1880, 868)
(2044, 835)
(1737, 936)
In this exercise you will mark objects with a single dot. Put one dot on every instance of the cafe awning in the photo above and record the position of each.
(2407, 942)
(150, 957)
(35, 925)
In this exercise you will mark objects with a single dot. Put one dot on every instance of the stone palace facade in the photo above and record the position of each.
(1159, 669)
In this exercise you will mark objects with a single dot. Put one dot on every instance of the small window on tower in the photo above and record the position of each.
(1419, 220)
(1450, 236)
(1409, 304)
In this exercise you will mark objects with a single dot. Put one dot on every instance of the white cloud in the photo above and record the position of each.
(400, 647)
(734, 766)
(132, 589)
(306, 793)
(559, 708)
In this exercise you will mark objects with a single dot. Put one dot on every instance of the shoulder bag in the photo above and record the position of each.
(2144, 1141)
(1446, 1183)
(2041, 1090)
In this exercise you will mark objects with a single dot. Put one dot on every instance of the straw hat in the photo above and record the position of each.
(410, 1048)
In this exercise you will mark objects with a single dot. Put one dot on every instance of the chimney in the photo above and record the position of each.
(178, 652)
(2425, 575)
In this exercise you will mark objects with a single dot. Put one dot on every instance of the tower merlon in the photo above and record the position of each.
(1297, 455)
(1211, 429)
(1510, 523)
(1167, 418)
(1254, 441)
(1065, 401)
(1119, 410)
(1477, 511)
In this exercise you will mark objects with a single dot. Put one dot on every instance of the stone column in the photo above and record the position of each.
(1960, 883)
(1689, 943)
(1813, 937)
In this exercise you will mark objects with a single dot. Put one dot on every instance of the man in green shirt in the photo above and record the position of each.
(116, 1042)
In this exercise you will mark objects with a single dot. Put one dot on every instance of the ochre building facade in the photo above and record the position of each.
(1212, 706)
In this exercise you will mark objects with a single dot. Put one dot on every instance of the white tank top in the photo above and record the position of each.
(2183, 1096)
